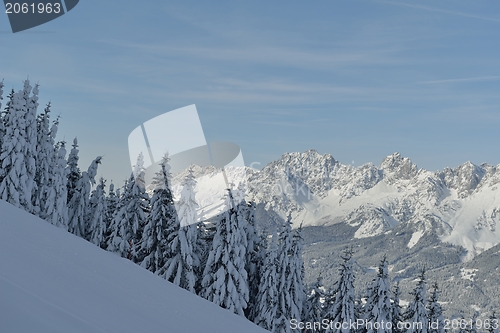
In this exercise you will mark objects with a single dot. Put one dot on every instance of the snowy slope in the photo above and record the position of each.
(52, 281)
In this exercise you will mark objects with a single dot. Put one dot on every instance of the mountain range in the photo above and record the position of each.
(446, 221)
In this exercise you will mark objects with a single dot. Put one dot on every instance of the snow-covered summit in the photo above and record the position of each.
(459, 204)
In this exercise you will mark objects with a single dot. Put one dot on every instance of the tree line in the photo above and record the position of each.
(231, 260)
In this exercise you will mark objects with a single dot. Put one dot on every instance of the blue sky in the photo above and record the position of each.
(356, 79)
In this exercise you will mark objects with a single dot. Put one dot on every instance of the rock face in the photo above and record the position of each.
(460, 205)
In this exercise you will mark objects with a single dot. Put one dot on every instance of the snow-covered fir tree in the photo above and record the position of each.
(396, 310)
(284, 306)
(130, 218)
(435, 311)
(290, 277)
(96, 215)
(255, 256)
(313, 311)
(182, 264)
(267, 297)
(53, 202)
(342, 306)
(225, 279)
(161, 222)
(44, 160)
(377, 311)
(111, 204)
(297, 275)
(18, 151)
(78, 206)
(416, 312)
(31, 98)
(73, 172)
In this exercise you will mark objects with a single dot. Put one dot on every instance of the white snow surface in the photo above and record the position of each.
(52, 281)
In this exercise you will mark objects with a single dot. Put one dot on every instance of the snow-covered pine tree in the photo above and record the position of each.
(53, 195)
(267, 297)
(435, 311)
(31, 98)
(342, 308)
(130, 217)
(46, 166)
(313, 310)
(377, 311)
(161, 222)
(18, 151)
(416, 312)
(255, 257)
(225, 279)
(290, 277)
(78, 206)
(73, 172)
(202, 249)
(111, 204)
(96, 215)
(44, 160)
(284, 308)
(396, 310)
(183, 262)
(297, 275)
(493, 323)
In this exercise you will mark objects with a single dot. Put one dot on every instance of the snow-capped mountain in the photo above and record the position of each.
(460, 205)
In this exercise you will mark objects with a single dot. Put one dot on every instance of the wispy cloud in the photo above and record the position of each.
(444, 11)
(467, 79)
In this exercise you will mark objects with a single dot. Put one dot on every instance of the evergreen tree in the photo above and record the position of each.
(296, 280)
(78, 206)
(73, 172)
(181, 266)
(31, 140)
(416, 312)
(284, 308)
(44, 161)
(130, 217)
(435, 311)
(396, 311)
(96, 215)
(342, 308)
(225, 279)
(53, 196)
(313, 307)
(111, 204)
(267, 305)
(255, 257)
(160, 224)
(377, 311)
(18, 151)
(290, 276)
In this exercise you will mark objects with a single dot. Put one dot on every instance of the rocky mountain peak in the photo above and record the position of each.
(398, 167)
